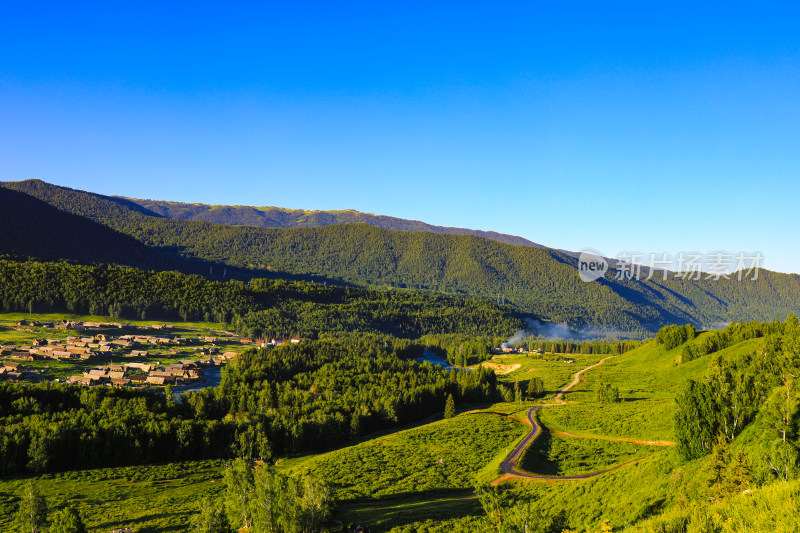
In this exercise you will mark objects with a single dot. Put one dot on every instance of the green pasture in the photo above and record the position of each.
(649, 378)
(154, 498)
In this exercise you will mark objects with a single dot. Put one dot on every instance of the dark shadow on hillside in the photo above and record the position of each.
(636, 297)
(385, 512)
(217, 271)
(562, 257)
(126, 203)
(537, 458)
(173, 519)
(684, 300)
(650, 509)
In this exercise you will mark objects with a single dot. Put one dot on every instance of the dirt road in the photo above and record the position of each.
(509, 465)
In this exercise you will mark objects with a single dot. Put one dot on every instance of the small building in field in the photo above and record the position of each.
(140, 366)
(160, 380)
(88, 381)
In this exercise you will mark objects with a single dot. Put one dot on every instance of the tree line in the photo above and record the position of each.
(261, 309)
(294, 398)
(540, 281)
(757, 388)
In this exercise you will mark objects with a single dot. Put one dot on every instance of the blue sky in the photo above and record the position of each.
(616, 126)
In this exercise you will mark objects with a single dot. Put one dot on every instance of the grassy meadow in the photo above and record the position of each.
(648, 378)
(555, 455)
(552, 368)
(154, 498)
(418, 473)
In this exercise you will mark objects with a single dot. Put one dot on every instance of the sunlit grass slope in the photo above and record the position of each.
(649, 378)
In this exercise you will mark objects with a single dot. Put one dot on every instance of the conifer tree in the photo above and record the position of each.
(450, 407)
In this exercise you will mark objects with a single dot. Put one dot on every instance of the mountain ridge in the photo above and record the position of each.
(285, 218)
(34, 228)
(541, 282)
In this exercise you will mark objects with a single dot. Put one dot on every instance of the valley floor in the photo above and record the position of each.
(568, 453)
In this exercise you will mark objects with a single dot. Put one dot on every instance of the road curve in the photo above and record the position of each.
(509, 464)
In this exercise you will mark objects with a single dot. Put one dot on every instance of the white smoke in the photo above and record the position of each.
(539, 329)
(550, 330)
(554, 331)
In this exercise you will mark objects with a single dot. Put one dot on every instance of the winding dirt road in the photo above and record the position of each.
(509, 465)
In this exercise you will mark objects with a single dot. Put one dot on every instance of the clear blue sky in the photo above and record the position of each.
(616, 126)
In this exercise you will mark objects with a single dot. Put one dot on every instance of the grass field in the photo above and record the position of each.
(387, 481)
(555, 455)
(551, 368)
(419, 473)
(156, 498)
(443, 455)
(648, 378)
(623, 496)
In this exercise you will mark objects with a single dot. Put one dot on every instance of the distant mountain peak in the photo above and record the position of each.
(327, 246)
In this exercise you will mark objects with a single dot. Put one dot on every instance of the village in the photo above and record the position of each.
(109, 354)
(95, 342)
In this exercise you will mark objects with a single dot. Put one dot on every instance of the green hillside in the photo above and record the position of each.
(431, 476)
(32, 228)
(263, 309)
(539, 281)
(279, 217)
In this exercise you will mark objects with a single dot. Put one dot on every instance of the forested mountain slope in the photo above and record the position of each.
(31, 228)
(279, 217)
(262, 309)
(540, 281)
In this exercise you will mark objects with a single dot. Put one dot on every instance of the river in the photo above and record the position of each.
(435, 359)
(212, 377)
